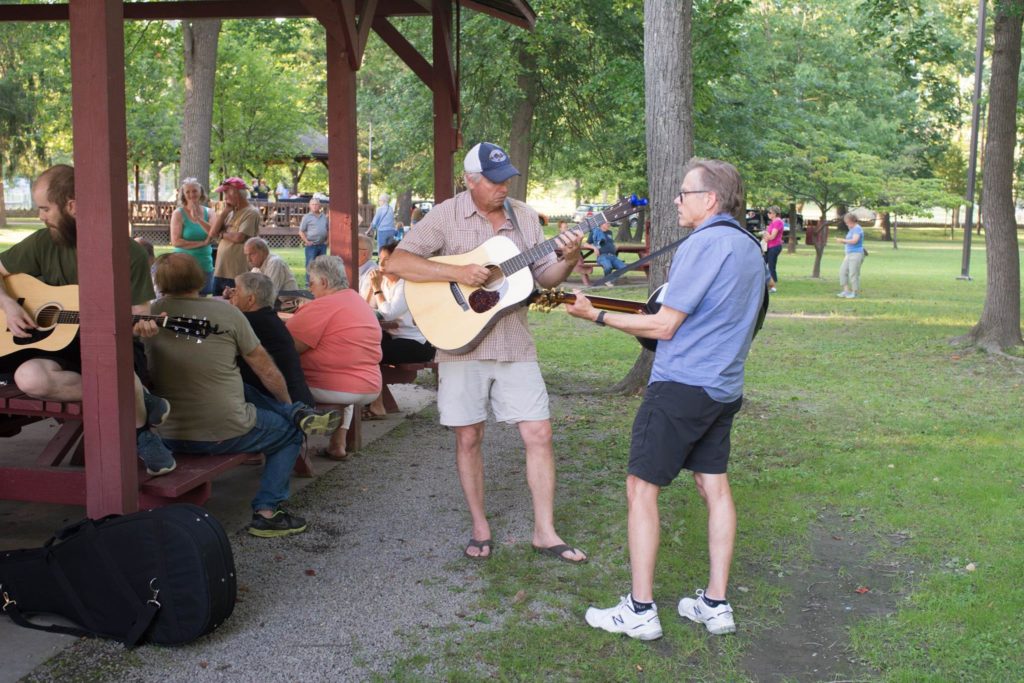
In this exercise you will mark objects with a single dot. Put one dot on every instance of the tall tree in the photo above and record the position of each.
(668, 81)
(999, 326)
(200, 40)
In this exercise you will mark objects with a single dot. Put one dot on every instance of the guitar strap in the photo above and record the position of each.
(647, 259)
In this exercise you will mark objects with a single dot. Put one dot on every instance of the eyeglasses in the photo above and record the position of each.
(682, 195)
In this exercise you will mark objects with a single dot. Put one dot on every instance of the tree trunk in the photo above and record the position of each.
(364, 187)
(820, 242)
(793, 237)
(999, 326)
(404, 211)
(3, 207)
(520, 144)
(668, 84)
(895, 242)
(200, 39)
(885, 223)
(155, 177)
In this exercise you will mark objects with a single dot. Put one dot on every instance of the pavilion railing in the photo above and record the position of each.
(152, 220)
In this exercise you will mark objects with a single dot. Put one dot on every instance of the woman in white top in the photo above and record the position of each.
(401, 341)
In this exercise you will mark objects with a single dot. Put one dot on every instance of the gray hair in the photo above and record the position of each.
(330, 269)
(385, 198)
(724, 180)
(258, 243)
(191, 181)
(850, 217)
(259, 285)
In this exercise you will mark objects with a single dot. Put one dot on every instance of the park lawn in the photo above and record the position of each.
(858, 410)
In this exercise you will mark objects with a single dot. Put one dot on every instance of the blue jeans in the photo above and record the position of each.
(772, 258)
(207, 289)
(610, 262)
(383, 237)
(274, 435)
(219, 283)
(312, 251)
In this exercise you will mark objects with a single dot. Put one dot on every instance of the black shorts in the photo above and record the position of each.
(679, 426)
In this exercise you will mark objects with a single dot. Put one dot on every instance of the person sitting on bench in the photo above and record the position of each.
(51, 255)
(338, 340)
(213, 413)
(403, 343)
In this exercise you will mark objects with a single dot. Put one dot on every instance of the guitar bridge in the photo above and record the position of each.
(457, 295)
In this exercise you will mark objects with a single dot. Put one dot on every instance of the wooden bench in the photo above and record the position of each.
(46, 482)
(404, 373)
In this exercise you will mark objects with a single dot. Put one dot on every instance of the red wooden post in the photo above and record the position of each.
(342, 173)
(101, 179)
(443, 87)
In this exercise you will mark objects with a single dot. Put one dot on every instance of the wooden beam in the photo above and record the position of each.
(343, 174)
(101, 210)
(443, 87)
(404, 49)
(528, 19)
(204, 9)
(326, 12)
(366, 15)
(348, 25)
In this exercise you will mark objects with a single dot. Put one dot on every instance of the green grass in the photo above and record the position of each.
(860, 409)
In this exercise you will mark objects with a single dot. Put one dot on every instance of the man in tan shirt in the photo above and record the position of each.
(502, 369)
(237, 222)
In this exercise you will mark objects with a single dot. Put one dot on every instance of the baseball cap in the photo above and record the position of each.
(234, 182)
(490, 160)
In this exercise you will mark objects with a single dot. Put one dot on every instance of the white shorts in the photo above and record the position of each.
(515, 391)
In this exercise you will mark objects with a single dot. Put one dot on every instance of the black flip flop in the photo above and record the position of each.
(558, 552)
(479, 545)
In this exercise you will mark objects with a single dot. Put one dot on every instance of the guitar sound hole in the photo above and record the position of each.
(46, 317)
(482, 301)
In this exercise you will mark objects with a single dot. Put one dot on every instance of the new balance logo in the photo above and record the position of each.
(617, 620)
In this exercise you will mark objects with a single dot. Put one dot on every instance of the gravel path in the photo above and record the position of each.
(380, 567)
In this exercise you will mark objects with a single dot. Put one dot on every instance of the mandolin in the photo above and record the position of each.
(57, 321)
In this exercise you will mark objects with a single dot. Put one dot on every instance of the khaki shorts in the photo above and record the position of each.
(515, 391)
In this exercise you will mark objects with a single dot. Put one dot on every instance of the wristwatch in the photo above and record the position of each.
(376, 292)
(599, 320)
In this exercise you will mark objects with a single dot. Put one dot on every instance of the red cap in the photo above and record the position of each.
(234, 182)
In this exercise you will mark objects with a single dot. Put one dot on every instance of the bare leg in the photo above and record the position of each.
(644, 535)
(45, 379)
(714, 489)
(540, 476)
(470, 464)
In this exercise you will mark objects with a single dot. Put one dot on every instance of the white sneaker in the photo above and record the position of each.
(718, 620)
(772, 290)
(622, 619)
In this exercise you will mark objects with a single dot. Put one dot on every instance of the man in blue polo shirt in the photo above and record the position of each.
(705, 326)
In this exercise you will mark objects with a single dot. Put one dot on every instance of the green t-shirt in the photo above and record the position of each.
(56, 265)
(202, 381)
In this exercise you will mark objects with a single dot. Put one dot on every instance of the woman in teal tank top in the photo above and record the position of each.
(190, 228)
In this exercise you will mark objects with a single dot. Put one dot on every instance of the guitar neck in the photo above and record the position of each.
(601, 302)
(526, 258)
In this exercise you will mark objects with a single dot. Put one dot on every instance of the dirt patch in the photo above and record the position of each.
(839, 586)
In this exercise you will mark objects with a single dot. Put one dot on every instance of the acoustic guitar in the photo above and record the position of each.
(53, 311)
(454, 317)
(546, 299)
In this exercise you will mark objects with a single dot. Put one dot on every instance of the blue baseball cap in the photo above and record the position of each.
(490, 160)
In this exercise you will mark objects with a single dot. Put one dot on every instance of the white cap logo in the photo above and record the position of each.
(497, 156)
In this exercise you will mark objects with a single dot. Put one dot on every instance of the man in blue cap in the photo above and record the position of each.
(501, 370)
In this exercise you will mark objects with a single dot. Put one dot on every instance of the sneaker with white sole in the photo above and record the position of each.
(311, 421)
(157, 408)
(158, 457)
(622, 619)
(718, 620)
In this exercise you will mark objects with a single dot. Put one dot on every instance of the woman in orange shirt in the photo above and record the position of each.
(338, 340)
